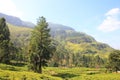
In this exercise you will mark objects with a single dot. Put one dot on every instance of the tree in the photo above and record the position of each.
(41, 48)
(99, 62)
(114, 60)
(61, 56)
(4, 42)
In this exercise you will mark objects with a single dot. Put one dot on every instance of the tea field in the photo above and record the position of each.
(8, 72)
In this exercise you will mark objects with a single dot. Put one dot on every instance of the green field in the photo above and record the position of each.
(8, 72)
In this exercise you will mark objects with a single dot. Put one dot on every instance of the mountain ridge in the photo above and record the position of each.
(16, 21)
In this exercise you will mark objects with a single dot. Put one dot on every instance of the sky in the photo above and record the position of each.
(98, 18)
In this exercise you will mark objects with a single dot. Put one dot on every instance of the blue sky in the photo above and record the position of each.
(98, 18)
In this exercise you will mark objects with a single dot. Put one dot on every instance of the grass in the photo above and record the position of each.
(9, 72)
(108, 76)
(12, 68)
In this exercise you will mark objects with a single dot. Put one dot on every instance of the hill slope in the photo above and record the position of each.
(75, 41)
(19, 35)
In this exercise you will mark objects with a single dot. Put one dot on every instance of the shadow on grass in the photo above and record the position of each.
(65, 75)
(18, 64)
(12, 66)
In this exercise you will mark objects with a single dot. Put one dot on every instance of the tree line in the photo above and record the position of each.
(45, 51)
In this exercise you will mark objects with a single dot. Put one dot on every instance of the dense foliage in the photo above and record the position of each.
(4, 42)
(114, 61)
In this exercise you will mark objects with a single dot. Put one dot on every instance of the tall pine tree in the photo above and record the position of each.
(4, 41)
(40, 46)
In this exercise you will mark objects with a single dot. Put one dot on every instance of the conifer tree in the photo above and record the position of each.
(4, 42)
(40, 46)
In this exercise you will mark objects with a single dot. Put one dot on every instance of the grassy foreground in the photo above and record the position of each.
(8, 72)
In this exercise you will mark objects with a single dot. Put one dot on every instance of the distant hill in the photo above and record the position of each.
(16, 21)
(75, 41)
(78, 42)
(58, 27)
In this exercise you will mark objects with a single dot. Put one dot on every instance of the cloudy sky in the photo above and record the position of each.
(98, 18)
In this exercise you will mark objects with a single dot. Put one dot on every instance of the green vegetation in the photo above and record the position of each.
(114, 61)
(40, 46)
(69, 55)
(19, 35)
(4, 42)
(8, 72)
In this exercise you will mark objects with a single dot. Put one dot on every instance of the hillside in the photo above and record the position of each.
(76, 55)
(19, 35)
(78, 42)
(75, 41)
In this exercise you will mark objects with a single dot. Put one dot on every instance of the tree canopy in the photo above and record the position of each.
(114, 60)
(4, 41)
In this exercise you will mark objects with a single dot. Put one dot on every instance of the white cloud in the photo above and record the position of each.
(111, 21)
(114, 11)
(8, 7)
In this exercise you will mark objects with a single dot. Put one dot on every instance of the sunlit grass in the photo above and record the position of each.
(9, 72)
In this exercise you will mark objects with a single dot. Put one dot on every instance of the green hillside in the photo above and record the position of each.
(71, 46)
(75, 41)
(79, 42)
(19, 35)
(89, 48)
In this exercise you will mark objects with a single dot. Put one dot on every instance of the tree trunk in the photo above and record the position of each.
(40, 66)
(116, 70)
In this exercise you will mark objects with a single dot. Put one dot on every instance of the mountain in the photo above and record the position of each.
(63, 32)
(58, 27)
(73, 40)
(16, 21)
(76, 42)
